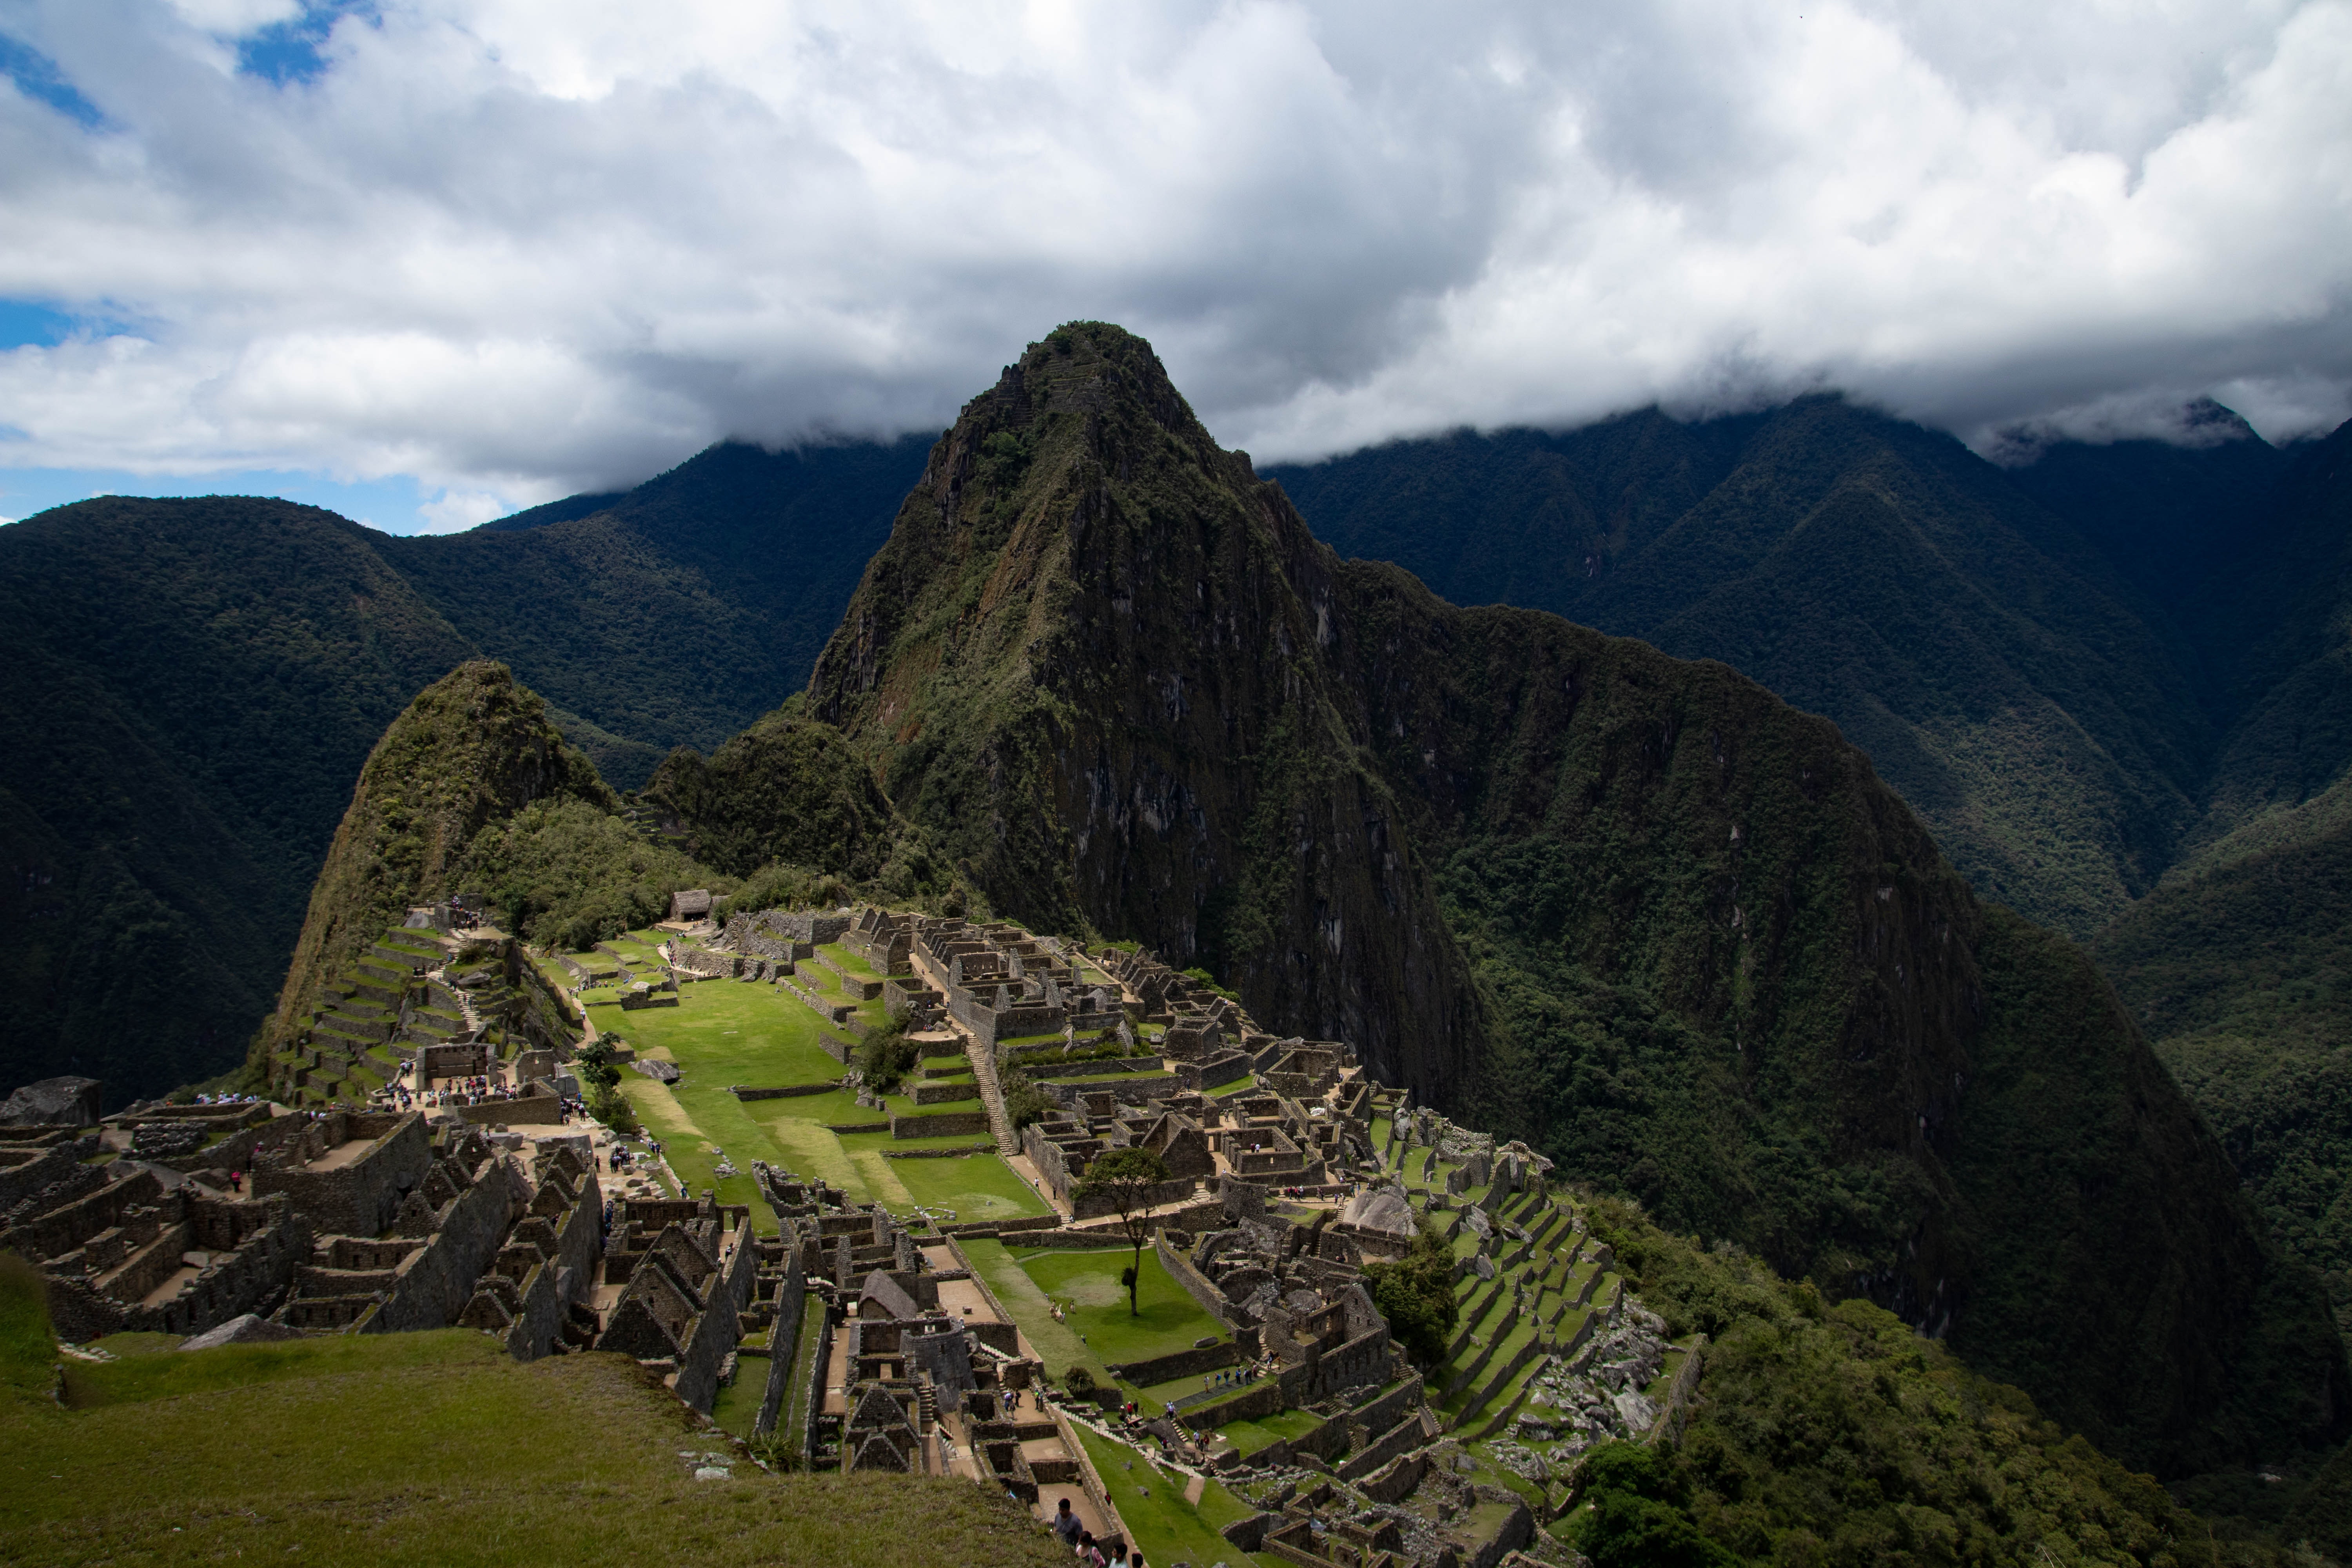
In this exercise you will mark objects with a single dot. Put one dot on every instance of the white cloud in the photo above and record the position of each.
(454, 511)
(514, 247)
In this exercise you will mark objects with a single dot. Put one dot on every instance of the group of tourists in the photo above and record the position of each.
(1081, 1542)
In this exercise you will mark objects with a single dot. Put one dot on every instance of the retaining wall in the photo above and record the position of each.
(1194, 1363)
(788, 1092)
(941, 1124)
(437, 1281)
(718, 1327)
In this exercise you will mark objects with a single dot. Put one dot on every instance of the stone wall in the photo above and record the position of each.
(537, 1110)
(941, 1124)
(1085, 1204)
(568, 1275)
(1196, 1284)
(718, 1327)
(788, 1092)
(437, 1281)
(784, 1339)
(1194, 1362)
(359, 1198)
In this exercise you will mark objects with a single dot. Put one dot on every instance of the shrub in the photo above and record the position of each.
(611, 1107)
(1415, 1294)
(1024, 1102)
(885, 1057)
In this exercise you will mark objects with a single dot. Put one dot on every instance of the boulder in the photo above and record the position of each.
(248, 1329)
(1381, 1208)
(661, 1072)
(53, 1102)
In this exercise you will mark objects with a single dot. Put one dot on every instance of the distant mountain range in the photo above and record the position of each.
(192, 686)
(2116, 672)
(1675, 932)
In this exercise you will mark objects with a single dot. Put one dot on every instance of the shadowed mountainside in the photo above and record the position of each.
(194, 684)
(1641, 910)
(2018, 674)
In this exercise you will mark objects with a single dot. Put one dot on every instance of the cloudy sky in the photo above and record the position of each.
(429, 260)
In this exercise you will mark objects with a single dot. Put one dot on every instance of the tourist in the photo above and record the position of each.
(1066, 1525)
(1088, 1554)
(236, 1181)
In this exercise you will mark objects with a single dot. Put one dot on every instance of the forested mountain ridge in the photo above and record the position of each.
(194, 684)
(1640, 910)
(2027, 679)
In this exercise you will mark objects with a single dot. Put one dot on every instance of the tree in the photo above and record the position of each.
(594, 1064)
(1415, 1294)
(1633, 1513)
(886, 1055)
(1127, 1177)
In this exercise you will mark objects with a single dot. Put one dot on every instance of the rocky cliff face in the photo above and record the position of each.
(474, 747)
(1636, 909)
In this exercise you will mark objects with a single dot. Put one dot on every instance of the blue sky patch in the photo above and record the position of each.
(287, 51)
(392, 505)
(22, 321)
(37, 76)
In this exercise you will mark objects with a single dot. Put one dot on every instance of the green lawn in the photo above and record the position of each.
(1151, 1502)
(1249, 1436)
(723, 1033)
(1056, 1344)
(736, 1404)
(977, 1186)
(1095, 1303)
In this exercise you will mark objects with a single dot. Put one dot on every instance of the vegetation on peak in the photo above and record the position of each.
(2004, 675)
(474, 748)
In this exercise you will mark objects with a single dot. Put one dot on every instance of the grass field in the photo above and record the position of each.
(724, 1033)
(429, 1448)
(1151, 1501)
(1095, 1303)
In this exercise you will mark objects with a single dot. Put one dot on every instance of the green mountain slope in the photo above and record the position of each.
(188, 688)
(194, 684)
(1639, 910)
(2238, 965)
(473, 749)
(1999, 668)
(682, 610)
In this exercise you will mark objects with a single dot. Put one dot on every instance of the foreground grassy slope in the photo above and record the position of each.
(427, 1447)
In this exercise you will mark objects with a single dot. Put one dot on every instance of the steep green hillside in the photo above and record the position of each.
(189, 689)
(2294, 679)
(473, 749)
(786, 790)
(2002, 673)
(192, 685)
(1639, 910)
(681, 611)
(2242, 975)
(1834, 1433)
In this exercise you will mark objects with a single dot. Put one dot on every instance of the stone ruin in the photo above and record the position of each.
(348, 1221)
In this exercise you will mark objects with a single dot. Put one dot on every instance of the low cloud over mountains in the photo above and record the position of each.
(516, 251)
